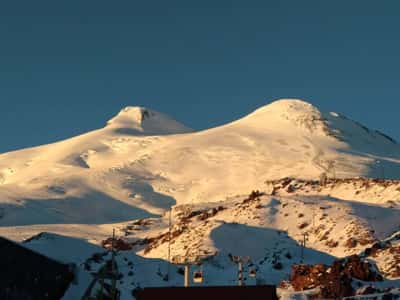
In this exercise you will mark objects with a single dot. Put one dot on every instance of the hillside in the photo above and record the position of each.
(129, 174)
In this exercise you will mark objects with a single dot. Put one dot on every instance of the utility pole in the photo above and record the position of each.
(187, 275)
(240, 261)
(331, 168)
(113, 269)
(303, 245)
(112, 251)
(169, 241)
(313, 213)
(240, 273)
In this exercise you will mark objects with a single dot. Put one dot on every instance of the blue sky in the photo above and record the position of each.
(66, 67)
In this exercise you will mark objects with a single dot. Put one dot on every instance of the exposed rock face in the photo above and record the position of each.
(334, 281)
(390, 250)
(361, 270)
(389, 190)
(118, 244)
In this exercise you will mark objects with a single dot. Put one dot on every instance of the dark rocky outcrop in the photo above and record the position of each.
(119, 244)
(334, 281)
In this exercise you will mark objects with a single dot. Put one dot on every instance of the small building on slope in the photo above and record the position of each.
(25, 274)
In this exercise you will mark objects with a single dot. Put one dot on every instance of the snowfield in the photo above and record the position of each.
(316, 174)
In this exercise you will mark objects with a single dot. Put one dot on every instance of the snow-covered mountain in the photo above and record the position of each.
(143, 162)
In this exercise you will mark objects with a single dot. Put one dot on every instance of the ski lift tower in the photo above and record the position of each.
(240, 260)
(198, 274)
(303, 242)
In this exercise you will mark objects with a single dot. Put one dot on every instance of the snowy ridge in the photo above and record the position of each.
(298, 113)
(145, 121)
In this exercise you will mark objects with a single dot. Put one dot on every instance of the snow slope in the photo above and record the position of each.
(142, 163)
(267, 229)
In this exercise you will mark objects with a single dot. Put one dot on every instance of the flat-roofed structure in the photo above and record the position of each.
(209, 293)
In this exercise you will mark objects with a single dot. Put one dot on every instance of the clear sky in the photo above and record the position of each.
(66, 67)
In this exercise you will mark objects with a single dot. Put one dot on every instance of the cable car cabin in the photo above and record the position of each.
(198, 277)
(253, 273)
